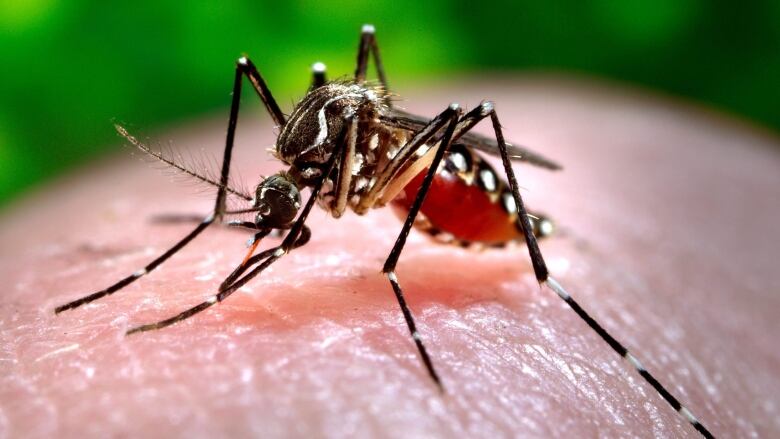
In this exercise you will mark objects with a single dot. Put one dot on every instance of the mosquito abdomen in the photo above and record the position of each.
(468, 203)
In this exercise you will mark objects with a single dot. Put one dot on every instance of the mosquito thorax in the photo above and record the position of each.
(277, 200)
(313, 131)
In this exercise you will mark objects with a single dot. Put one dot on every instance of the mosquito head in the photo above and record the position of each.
(277, 200)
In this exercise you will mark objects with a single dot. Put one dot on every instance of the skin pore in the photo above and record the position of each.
(667, 235)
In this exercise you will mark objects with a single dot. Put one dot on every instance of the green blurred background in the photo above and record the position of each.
(71, 68)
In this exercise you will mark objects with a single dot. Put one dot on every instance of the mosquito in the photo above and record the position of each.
(354, 150)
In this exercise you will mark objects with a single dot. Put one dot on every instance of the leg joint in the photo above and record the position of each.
(391, 275)
(318, 67)
(243, 63)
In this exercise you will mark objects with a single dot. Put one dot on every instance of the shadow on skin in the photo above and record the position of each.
(362, 291)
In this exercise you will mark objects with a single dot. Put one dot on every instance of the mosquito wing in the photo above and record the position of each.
(407, 121)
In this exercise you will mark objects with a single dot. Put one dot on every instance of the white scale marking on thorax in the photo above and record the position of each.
(323, 133)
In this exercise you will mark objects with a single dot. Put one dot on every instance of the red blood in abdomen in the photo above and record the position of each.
(465, 211)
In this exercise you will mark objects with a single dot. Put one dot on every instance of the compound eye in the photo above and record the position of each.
(277, 200)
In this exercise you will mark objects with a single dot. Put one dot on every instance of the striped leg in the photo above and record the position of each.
(139, 273)
(623, 352)
(543, 276)
(243, 67)
(448, 118)
(298, 235)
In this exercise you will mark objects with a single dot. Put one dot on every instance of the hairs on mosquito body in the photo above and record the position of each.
(201, 167)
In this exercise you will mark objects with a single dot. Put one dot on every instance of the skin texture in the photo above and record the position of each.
(667, 234)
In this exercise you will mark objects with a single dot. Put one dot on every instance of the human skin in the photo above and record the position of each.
(667, 220)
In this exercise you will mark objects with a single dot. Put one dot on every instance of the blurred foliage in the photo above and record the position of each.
(72, 67)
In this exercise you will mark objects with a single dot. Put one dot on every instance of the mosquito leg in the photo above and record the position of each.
(543, 275)
(302, 239)
(318, 77)
(175, 218)
(402, 157)
(368, 43)
(230, 284)
(139, 273)
(244, 225)
(189, 219)
(451, 117)
(243, 67)
(246, 67)
(296, 237)
(343, 182)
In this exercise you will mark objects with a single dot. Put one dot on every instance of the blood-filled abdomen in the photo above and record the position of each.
(467, 202)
